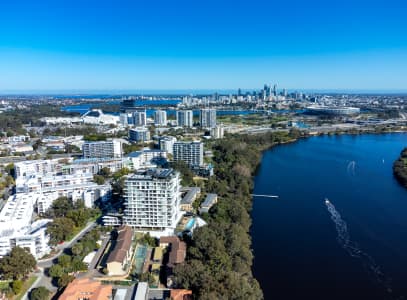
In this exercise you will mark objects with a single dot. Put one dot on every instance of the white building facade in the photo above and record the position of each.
(185, 118)
(207, 118)
(102, 149)
(189, 152)
(152, 200)
(160, 118)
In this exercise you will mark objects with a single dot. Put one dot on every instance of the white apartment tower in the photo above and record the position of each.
(185, 118)
(160, 118)
(207, 118)
(167, 144)
(102, 149)
(152, 200)
(140, 118)
(140, 134)
(189, 152)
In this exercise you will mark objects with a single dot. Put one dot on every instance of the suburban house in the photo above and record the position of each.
(120, 258)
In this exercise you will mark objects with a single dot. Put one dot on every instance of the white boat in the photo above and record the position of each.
(327, 201)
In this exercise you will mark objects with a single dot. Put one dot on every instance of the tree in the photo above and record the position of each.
(40, 293)
(9, 169)
(56, 271)
(64, 260)
(105, 172)
(61, 206)
(17, 264)
(77, 249)
(60, 229)
(64, 280)
(99, 179)
(17, 286)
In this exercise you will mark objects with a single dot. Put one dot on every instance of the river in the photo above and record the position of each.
(352, 247)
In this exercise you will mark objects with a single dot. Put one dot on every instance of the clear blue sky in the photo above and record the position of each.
(202, 44)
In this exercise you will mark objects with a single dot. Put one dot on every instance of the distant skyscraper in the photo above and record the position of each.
(160, 118)
(185, 118)
(239, 92)
(275, 90)
(140, 118)
(208, 118)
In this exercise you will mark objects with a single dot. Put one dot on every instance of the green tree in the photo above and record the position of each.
(64, 280)
(9, 169)
(60, 229)
(79, 216)
(17, 286)
(17, 264)
(40, 293)
(99, 179)
(64, 260)
(77, 249)
(105, 172)
(56, 271)
(61, 206)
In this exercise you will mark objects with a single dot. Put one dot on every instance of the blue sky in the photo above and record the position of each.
(163, 45)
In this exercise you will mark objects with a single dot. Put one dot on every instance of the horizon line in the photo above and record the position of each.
(193, 91)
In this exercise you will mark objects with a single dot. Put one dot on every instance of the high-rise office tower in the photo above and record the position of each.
(185, 118)
(189, 152)
(160, 118)
(275, 90)
(140, 118)
(208, 118)
(152, 199)
(102, 149)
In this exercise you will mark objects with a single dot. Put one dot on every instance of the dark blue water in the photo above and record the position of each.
(297, 253)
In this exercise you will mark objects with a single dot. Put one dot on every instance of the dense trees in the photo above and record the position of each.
(40, 293)
(17, 264)
(219, 259)
(400, 168)
(187, 174)
(67, 216)
(72, 261)
(60, 229)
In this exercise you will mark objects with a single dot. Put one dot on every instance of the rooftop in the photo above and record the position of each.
(209, 200)
(151, 174)
(189, 197)
(86, 289)
(123, 245)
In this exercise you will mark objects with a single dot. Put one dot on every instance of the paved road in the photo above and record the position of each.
(46, 263)
(43, 279)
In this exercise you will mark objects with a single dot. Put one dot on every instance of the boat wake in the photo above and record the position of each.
(355, 251)
(351, 168)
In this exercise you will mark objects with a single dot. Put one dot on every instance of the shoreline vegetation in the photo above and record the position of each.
(219, 259)
(400, 168)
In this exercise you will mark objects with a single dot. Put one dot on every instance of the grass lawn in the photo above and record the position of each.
(27, 284)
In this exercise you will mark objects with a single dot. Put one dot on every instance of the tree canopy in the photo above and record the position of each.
(17, 264)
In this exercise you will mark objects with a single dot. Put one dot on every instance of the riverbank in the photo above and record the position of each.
(219, 260)
(400, 168)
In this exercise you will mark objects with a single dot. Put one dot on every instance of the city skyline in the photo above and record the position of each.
(101, 46)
